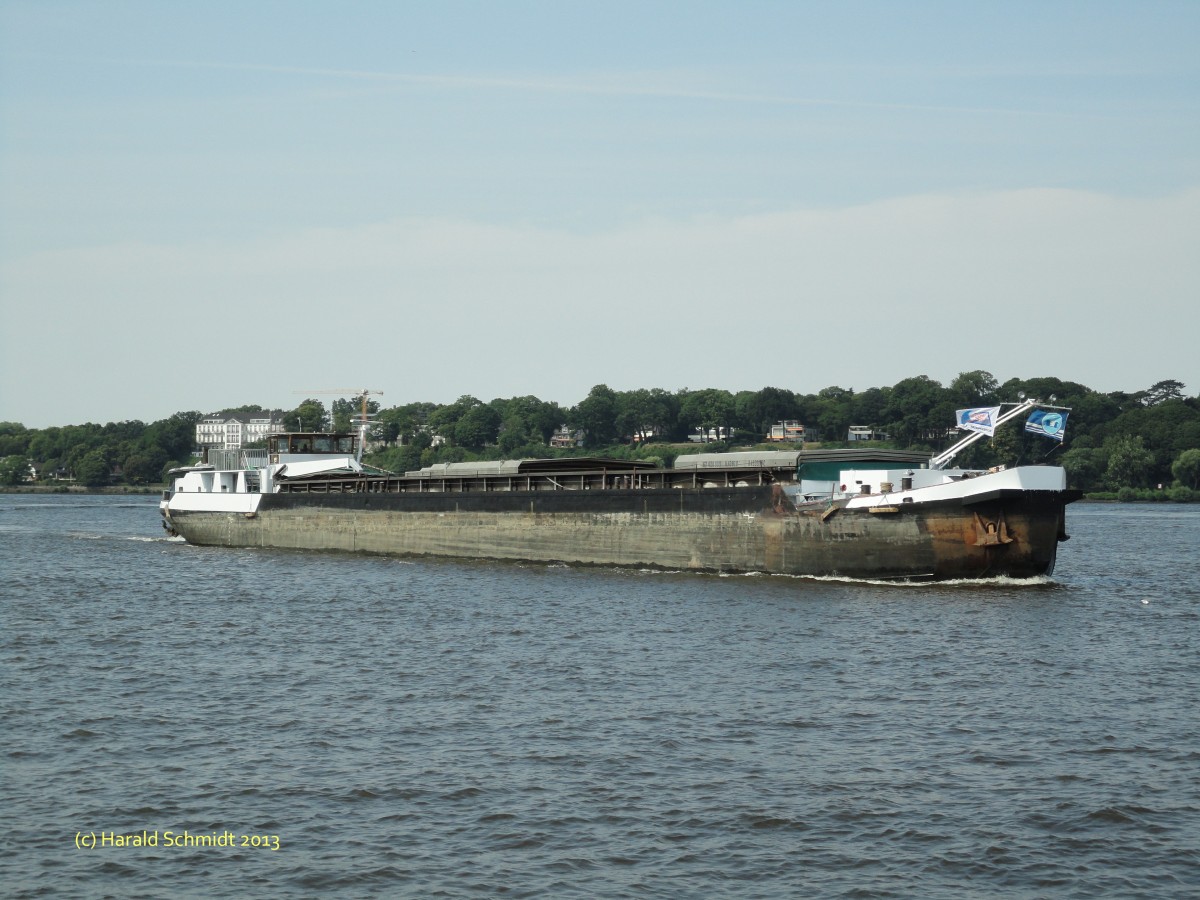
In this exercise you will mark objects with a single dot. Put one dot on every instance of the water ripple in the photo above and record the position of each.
(456, 729)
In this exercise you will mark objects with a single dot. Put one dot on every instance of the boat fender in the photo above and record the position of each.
(831, 511)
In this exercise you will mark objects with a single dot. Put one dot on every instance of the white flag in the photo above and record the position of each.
(981, 418)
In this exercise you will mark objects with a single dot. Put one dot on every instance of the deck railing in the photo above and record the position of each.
(238, 459)
(591, 480)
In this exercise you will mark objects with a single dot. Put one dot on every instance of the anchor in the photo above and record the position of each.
(991, 534)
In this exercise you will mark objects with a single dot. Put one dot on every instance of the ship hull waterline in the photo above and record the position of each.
(1012, 533)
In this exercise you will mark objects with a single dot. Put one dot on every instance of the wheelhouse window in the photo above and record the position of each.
(311, 443)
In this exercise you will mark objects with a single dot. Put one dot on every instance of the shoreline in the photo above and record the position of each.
(80, 489)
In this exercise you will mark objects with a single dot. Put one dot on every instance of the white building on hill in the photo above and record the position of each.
(233, 430)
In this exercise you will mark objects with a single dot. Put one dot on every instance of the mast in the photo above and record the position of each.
(364, 422)
(943, 459)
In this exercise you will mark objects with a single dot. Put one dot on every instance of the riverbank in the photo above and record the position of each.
(81, 489)
(1145, 495)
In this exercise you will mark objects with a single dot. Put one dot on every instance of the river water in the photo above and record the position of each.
(386, 727)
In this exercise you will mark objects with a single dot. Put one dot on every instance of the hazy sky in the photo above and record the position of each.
(206, 205)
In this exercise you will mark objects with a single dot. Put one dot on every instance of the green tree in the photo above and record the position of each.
(444, 454)
(975, 388)
(1186, 469)
(174, 437)
(93, 469)
(14, 439)
(404, 423)
(916, 410)
(1006, 445)
(114, 433)
(1065, 392)
(310, 415)
(343, 413)
(534, 418)
(759, 410)
(444, 419)
(348, 411)
(643, 412)
(144, 466)
(663, 409)
(514, 433)
(1166, 428)
(405, 458)
(708, 410)
(867, 408)
(13, 469)
(1088, 411)
(1085, 467)
(1161, 392)
(596, 414)
(1129, 462)
(477, 427)
(45, 445)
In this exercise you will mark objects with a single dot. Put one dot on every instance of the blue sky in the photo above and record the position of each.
(206, 205)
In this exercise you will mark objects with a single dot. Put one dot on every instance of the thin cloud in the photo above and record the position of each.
(856, 296)
(592, 87)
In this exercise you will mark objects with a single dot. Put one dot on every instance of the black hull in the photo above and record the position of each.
(755, 528)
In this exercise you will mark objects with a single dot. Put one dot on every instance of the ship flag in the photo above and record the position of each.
(1050, 423)
(981, 419)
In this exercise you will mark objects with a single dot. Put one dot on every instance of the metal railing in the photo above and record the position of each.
(238, 459)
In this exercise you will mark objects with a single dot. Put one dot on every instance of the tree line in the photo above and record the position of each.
(1114, 441)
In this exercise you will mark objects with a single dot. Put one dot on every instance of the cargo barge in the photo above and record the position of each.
(874, 514)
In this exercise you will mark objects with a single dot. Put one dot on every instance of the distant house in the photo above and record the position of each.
(233, 430)
(435, 439)
(701, 436)
(646, 434)
(566, 438)
(866, 433)
(788, 430)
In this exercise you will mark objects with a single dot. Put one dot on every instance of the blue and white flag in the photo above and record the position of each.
(982, 418)
(1048, 422)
